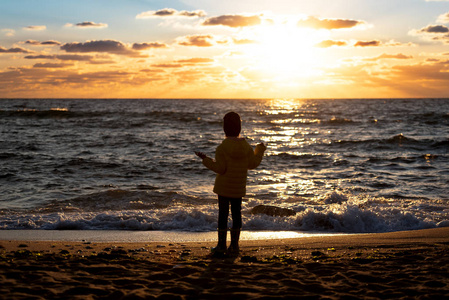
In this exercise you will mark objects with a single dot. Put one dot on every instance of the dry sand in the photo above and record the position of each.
(411, 264)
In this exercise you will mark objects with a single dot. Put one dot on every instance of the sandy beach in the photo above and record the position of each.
(409, 264)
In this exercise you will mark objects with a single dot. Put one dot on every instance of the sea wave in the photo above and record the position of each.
(121, 210)
(399, 141)
(109, 163)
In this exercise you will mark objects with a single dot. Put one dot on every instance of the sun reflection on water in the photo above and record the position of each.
(290, 128)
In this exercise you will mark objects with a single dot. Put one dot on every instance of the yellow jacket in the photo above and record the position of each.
(233, 158)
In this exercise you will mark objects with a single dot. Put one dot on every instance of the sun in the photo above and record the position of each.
(284, 51)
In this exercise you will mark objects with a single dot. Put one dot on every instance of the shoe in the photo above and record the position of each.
(234, 248)
(220, 249)
(217, 250)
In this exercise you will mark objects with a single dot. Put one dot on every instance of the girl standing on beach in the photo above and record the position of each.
(233, 158)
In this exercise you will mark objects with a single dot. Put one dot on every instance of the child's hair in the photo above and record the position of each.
(232, 125)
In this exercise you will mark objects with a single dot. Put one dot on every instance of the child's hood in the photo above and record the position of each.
(235, 147)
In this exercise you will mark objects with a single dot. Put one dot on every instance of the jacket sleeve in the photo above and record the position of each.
(219, 164)
(255, 158)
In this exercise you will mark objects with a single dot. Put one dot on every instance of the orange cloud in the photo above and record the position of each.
(167, 65)
(313, 22)
(243, 41)
(196, 60)
(373, 43)
(330, 43)
(233, 21)
(198, 40)
(389, 56)
(425, 79)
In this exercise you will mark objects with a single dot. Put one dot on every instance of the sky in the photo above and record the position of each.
(224, 49)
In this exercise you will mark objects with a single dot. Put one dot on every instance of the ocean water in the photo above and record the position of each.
(346, 165)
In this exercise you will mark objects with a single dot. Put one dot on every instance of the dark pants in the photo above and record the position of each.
(223, 212)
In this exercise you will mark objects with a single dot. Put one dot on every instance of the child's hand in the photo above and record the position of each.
(200, 155)
(262, 145)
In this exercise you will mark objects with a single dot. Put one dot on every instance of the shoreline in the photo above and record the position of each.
(384, 265)
(133, 236)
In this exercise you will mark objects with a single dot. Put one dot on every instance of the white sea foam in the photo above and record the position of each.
(355, 215)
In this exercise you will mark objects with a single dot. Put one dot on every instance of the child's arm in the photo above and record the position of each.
(200, 154)
(256, 157)
(218, 165)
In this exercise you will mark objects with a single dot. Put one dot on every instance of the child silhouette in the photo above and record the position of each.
(233, 158)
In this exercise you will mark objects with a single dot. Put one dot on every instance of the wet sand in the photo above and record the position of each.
(411, 264)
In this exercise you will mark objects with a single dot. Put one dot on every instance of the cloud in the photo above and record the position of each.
(184, 62)
(57, 82)
(374, 43)
(74, 57)
(313, 22)
(87, 25)
(198, 40)
(37, 43)
(444, 18)
(243, 41)
(170, 12)
(196, 60)
(167, 65)
(424, 72)
(233, 21)
(389, 56)
(14, 50)
(330, 43)
(35, 27)
(51, 65)
(433, 33)
(434, 29)
(108, 46)
(144, 46)
(9, 32)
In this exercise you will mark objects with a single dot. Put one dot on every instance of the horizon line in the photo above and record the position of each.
(224, 98)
